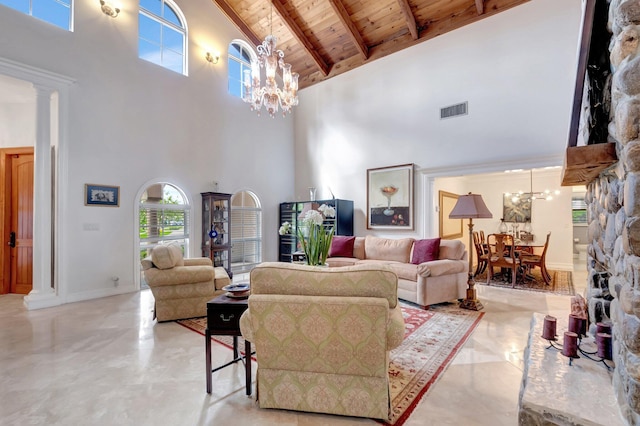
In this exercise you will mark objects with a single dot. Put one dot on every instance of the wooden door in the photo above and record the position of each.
(21, 222)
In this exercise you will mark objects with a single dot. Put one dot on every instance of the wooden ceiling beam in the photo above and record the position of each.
(480, 6)
(242, 26)
(302, 39)
(409, 18)
(352, 31)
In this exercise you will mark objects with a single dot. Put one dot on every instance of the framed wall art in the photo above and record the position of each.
(390, 197)
(516, 209)
(450, 229)
(101, 195)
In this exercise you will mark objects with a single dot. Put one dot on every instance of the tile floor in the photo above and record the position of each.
(106, 362)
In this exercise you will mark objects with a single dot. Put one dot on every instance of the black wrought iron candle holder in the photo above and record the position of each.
(573, 339)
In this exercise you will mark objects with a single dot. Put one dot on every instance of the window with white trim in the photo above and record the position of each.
(246, 232)
(56, 12)
(578, 210)
(162, 33)
(240, 57)
(163, 216)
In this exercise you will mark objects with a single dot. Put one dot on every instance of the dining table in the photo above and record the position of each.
(522, 246)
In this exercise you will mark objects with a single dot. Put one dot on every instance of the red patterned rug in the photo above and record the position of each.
(432, 340)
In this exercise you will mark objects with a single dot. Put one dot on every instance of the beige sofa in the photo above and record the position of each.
(181, 287)
(427, 283)
(322, 337)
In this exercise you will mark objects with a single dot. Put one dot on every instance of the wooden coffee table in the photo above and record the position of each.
(223, 319)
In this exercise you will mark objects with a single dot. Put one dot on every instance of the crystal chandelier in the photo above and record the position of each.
(270, 95)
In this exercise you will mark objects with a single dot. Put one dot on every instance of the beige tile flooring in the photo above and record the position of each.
(106, 362)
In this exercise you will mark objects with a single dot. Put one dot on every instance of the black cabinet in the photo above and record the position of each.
(292, 211)
(216, 228)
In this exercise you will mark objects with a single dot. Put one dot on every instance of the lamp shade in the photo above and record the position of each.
(470, 206)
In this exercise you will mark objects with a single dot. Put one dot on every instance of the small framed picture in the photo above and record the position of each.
(101, 195)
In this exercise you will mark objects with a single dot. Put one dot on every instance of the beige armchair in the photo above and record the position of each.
(322, 337)
(181, 287)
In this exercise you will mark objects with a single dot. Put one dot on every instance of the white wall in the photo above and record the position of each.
(17, 113)
(131, 121)
(516, 69)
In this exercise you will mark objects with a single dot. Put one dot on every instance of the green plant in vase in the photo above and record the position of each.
(314, 238)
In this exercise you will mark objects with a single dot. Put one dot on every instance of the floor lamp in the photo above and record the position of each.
(470, 207)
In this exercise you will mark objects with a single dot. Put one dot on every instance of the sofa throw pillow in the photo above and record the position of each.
(341, 246)
(425, 250)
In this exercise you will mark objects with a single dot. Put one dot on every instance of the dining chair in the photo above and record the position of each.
(482, 239)
(501, 255)
(481, 253)
(529, 261)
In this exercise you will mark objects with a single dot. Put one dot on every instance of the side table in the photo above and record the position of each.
(223, 319)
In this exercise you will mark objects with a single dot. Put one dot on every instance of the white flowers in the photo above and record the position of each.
(316, 217)
(313, 237)
(327, 211)
(284, 228)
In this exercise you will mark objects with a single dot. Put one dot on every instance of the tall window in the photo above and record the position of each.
(240, 56)
(246, 231)
(163, 216)
(162, 35)
(56, 12)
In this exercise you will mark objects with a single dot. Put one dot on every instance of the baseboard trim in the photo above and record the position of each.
(99, 293)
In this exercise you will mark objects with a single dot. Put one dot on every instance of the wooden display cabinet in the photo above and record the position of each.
(216, 229)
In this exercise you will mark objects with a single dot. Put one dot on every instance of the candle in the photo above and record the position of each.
(570, 344)
(575, 324)
(603, 327)
(549, 328)
(603, 341)
(583, 327)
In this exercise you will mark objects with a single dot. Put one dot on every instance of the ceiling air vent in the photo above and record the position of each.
(454, 110)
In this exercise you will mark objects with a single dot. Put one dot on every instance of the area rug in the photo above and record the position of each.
(432, 340)
(561, 282)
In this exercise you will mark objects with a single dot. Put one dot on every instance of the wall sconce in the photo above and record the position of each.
(108, 9)
(213, 58)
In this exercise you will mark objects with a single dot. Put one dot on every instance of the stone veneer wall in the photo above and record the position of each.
(614, 213)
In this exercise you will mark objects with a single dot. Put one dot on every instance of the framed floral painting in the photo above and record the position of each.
(390, 197)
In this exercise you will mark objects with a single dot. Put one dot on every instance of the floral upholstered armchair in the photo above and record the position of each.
(322, 337)
(181, 287)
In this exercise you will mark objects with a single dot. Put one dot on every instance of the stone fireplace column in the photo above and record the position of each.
(614, 213)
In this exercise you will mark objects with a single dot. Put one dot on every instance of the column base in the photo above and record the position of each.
(38, 300)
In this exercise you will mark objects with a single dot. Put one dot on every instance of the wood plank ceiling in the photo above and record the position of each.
(324, 38)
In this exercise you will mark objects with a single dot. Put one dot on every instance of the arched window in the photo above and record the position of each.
(163, 215)
(246, 232)
(163, 35)
(56, 12)
(240, 57)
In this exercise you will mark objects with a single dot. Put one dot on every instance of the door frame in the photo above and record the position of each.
(52, 92)
(5, 212)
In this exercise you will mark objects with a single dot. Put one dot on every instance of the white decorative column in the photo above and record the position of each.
(43, 294)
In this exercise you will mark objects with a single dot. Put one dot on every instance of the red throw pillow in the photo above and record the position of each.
(342, 246)
(425, 250)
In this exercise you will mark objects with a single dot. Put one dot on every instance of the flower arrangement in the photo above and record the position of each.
(317, 241)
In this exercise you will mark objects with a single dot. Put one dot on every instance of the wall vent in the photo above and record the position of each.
(454, 110)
